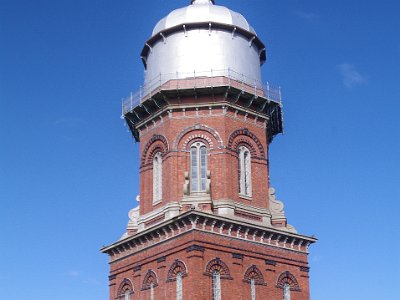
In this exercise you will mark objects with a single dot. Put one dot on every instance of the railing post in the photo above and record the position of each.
(267, 90)
(131, 101)
(280, 96)
(140, 94)
(229, 76)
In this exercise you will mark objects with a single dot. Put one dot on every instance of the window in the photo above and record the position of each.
(252, 289)
(125, 290)
(152, 291)
(127, 295)
(244, 172)
(157, 178)
(198, 167)
(254, 277)
(179, 294)
(287, 282)
(286, 291)
(216, 285)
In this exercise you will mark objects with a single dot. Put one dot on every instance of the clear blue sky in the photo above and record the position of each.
(69, 169)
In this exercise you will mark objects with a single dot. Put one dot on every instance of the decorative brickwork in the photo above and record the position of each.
(287, 278)
(246, 137)
(254, 273)
(199, 127)
(218, 265)
(176, 268)
(150, 280)
(126, 285)
(157, 143)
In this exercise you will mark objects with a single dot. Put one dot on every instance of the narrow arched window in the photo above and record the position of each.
(252, 289)
(198, 167)
(216, 285)
(127, 295)
(179, 292)
(125, 290)
(152, 291)
(244, 172)
(157, 178)
(286, 291)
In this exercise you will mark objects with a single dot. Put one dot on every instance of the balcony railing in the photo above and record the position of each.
(197, 80)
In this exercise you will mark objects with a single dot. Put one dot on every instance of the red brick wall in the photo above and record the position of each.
(222, 162)
(172, 133)
(196, 249)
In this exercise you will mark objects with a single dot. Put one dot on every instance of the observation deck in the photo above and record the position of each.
(234, 88)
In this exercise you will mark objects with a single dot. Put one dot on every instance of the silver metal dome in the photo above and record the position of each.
(201, 11)
(204, 40)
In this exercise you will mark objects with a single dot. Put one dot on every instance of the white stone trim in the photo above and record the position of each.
(169, 211)
(228, 207)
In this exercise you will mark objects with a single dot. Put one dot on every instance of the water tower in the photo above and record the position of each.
(208, 225)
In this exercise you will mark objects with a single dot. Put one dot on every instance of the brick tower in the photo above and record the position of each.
(208, 225)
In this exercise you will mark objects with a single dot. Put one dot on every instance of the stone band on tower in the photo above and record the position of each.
(209, 225)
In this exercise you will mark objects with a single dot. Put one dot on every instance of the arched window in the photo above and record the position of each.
(125, 290)
(150, 281)
(198, 167)
(288, 283)
(179, 292)
(176, 273)
(157, 178)
(152, 291)
(216, 285)
(217, 270)
(286, 291)
(252, 289)
(254, 277)
(244, 172)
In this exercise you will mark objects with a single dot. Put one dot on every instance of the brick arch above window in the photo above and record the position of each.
(157, 143)
(191, 139)
(177, 267)
(218, 265)
(126, 285)
(254, 273)
(150, 279)
(244, 141)
(204, 132)
(244, 137)
(287, 278)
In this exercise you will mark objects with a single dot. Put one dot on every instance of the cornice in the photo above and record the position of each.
(206, 222)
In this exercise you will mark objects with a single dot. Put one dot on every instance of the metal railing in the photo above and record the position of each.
(193, 80)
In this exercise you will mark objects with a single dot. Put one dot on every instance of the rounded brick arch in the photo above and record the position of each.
(177, 267)
(125, 285)
(198, 127)
(149, 279)
(241, 137)
(254, 273)
(157, 143)
(218, 265)
(287, 278)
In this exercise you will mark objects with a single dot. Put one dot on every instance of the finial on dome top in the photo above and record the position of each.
(203, 2)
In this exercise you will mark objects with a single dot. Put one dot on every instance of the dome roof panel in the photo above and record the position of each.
(202, 13)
